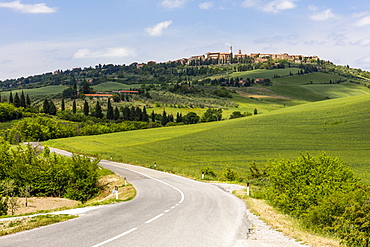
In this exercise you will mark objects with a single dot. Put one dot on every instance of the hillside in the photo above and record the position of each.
(338, 127)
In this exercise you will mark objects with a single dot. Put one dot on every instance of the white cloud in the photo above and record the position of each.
(362, 42)
(157, 30)
(206, 5)
(38, 8)
(108, 53)
(173, 4)
(249, 3)
(364, 21)
(323, 16)
(278, 5)
(270, 6)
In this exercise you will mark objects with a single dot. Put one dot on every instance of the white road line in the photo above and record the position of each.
(153, 219)
(114, 238)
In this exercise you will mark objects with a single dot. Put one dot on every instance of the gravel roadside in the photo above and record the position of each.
(261, 234)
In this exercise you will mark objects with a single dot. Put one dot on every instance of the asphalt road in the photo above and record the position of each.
(168, 211)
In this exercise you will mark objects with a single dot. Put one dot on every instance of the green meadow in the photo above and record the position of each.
(113, 86)
(265, 73)
(48, 90)
(339, 127)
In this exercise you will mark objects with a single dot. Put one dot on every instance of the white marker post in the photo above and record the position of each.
(248, 192)
(202, 175)
(116, 190)
(125, 181)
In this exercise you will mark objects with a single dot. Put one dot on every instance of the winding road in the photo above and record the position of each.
(168, 210)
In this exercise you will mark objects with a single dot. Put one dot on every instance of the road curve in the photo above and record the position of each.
(168, 210)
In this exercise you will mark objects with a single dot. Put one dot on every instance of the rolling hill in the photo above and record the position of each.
(338, 127)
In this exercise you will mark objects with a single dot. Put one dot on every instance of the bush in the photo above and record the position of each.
(208, 171)
(296, 185)
(48, 174)
(231, 175)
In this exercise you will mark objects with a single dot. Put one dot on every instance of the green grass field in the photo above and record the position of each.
(113, 86)
(338, 127)
(264, 73)
(297, 87)
(48, 90)
(334, 91)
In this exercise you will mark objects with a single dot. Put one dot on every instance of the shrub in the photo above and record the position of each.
(231, 175)
(208, 171)
(296, 185)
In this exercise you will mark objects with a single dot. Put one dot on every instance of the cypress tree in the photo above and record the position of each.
(28, 101)
(23, 100)
(152, 115)
(11, 101)
(74, 107)
(45, 106)
(63, 106)
(110, 112)
(164, 118)
(139, 114)
(52, 109)
(145, 117)
(116, 113)
(17, 101)
(126, 113)
(133, 115)
(86, 108)
(98, 111)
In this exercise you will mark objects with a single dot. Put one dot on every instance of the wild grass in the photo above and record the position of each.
(23, 224)
(285, 224)
(338, 127)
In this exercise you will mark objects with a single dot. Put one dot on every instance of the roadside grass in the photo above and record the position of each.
(28, 223)
(338, 127)
(286, 224)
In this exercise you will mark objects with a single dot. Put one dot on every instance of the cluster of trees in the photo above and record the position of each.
(322, 192)
(44, 128)
(28, 172)
(9, 112)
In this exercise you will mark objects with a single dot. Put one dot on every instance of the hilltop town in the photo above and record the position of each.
(230, 57)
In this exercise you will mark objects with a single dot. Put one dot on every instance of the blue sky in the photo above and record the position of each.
(39, 36)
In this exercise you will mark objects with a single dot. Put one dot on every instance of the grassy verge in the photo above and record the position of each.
(109, 182)
(286, 224)
(27, 223)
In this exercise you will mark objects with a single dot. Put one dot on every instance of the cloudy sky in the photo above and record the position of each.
(39, 36)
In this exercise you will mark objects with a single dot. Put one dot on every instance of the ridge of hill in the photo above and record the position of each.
(337, 127)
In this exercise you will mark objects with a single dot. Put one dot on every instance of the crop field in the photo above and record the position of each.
(334, 91)
(299, 87)
(48, 90)
(339, 127)
(264, 73)
(113, 86)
